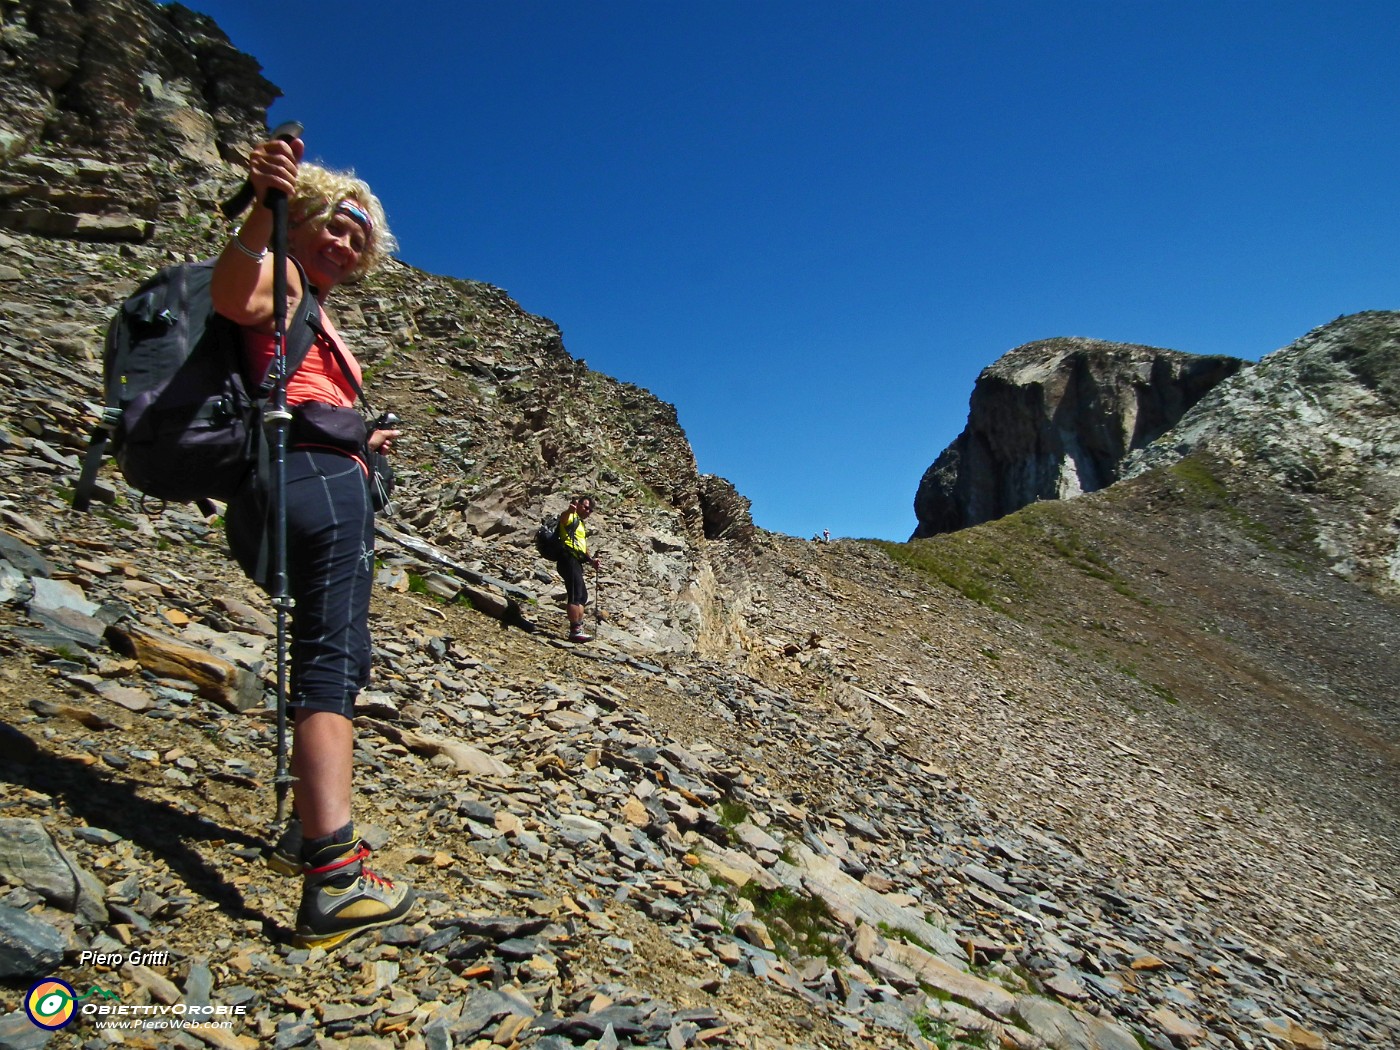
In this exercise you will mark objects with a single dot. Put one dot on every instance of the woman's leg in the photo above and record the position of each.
(323, 750)
(330, 565)
(330, 550)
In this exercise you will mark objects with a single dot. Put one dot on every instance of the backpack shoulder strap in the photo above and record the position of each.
(301, 333)
(84, 487)
(350, 377)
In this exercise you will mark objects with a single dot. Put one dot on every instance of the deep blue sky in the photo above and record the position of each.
(809, 225)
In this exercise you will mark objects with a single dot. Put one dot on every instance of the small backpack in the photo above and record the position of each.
(547, 540)
(180, 418)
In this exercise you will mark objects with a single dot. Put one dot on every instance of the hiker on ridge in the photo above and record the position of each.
(573, 536)
(338, 233)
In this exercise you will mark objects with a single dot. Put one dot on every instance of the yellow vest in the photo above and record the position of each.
(574, 535)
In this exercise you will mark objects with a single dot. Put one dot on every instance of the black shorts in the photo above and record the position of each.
(330, 566)
(571, 571)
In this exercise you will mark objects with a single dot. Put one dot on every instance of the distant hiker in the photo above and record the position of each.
(573, 535)
(826, 535)
(337, 232)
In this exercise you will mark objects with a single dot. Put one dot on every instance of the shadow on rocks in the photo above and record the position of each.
(103, 801)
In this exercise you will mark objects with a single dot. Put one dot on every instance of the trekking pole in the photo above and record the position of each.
(598, 590)
(277, 419)
(238, 203)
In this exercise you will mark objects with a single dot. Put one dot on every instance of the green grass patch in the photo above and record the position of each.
(1165, 693)
(731, 812)
(1199, 479)
(896, 933)
(1204, 490)
(957, 565)
(939, 1033)
(370, 371)
(801, 926)
(1010, 560)
(418, 585)
(116, 521)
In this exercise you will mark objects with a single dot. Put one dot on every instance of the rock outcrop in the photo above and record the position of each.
(727, 513)
(1319, 422)
(109, 109)
(1054, 419)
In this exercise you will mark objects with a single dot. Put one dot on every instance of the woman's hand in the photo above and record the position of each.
(383, 441)
(273, 166)
(242, 289)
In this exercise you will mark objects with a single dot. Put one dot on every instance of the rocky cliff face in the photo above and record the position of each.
(1109, 772)
(111, 111)
(1055, 419)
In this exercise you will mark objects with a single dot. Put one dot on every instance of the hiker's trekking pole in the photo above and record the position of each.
(598, 589)
(277, 419)
(238, 203)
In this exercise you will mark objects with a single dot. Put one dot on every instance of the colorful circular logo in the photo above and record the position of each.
(49, 1003)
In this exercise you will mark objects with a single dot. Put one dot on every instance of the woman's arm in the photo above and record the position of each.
(242, 285)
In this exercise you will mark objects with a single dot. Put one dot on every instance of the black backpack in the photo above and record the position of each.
(547, 540)
(181, 419)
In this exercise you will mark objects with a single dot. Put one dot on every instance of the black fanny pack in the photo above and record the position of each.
(334, 426)
(344, 429)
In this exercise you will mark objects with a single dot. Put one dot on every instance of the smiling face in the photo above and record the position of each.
(328, 205)
(330, 251)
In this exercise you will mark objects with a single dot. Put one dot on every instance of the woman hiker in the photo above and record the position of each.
(337, 233)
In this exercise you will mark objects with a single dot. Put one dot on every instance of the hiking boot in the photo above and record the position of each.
(578, 634)
(285, 858)
(341, 897)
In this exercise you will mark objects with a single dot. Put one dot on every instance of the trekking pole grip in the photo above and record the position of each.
(238, 203)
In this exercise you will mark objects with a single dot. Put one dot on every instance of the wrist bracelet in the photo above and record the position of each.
(255, 256)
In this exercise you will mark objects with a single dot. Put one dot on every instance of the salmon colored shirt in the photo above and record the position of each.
(320, 377)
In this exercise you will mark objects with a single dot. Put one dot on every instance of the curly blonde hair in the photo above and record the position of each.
(320, 189)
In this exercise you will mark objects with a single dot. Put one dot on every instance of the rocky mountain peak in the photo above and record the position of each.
(113, 112)
(1055, 418)
(118, 79)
